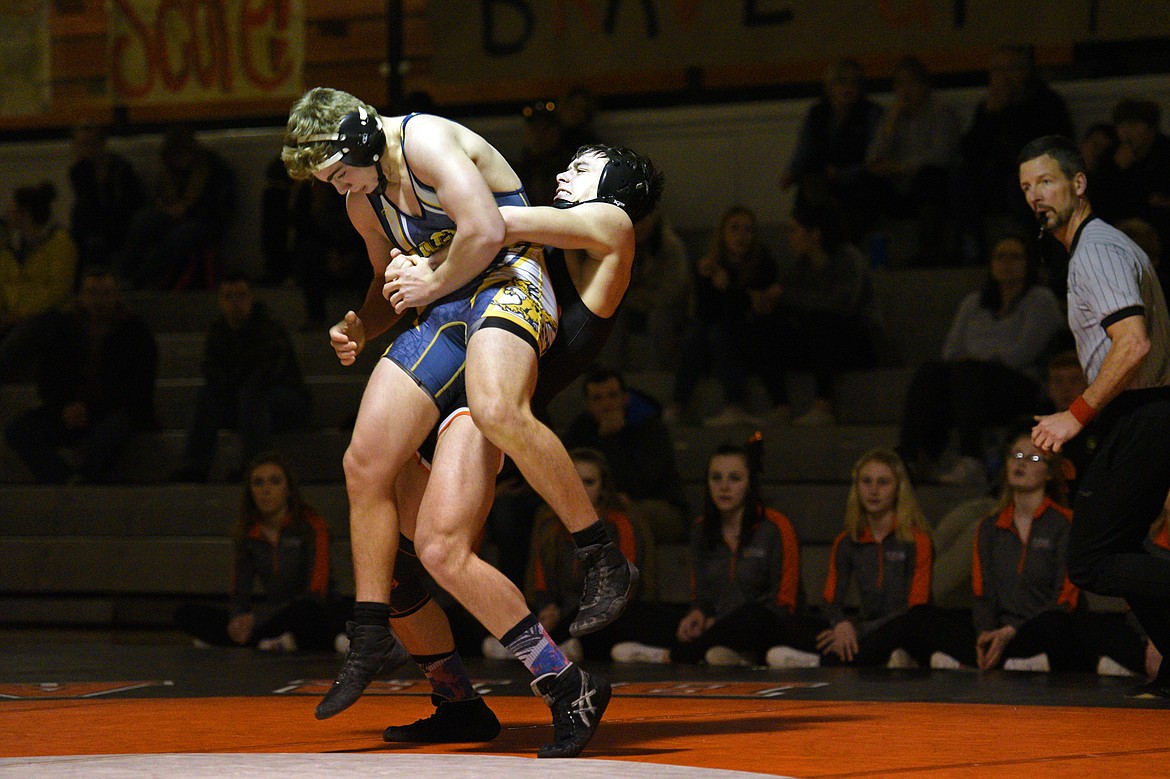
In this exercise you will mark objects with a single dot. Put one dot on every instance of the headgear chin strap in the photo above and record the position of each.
(358, 142)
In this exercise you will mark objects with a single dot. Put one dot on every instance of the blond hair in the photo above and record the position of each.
(906, 509)
(317, 112)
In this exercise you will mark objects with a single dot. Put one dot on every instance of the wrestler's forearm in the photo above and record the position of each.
(464, 260)
(376, 313)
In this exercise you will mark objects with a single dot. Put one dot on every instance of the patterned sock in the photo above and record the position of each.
(530, 643)
(594, 534)
(371, 613)
(447, 675)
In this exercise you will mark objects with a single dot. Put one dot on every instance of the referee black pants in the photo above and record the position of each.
(1120, 495)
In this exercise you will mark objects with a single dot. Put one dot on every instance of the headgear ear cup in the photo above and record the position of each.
(358, 141)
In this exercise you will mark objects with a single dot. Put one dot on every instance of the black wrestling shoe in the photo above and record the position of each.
(453, 722)
(609, 582)
(577, 700)
(373, 650)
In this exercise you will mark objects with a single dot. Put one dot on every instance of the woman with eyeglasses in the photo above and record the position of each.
(282, 545)
(1022, 616)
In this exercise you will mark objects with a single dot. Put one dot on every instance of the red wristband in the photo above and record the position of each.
(1082, 410)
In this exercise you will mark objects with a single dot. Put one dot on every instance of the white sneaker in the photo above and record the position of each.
(1107, 666)
(815, 417)
(572, 649)
(286, 643)
(900, 658)
(494, 650)
(790, 657)
(634, 652)
(726, 656)
(1038, 663)
(967, 472)
(943, 661)
(729, 416)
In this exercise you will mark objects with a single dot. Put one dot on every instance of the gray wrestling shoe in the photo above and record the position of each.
(577, 700)
(609, 583)
(373, 650)
(454, 722)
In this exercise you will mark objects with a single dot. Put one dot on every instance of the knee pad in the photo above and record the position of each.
(408, 590)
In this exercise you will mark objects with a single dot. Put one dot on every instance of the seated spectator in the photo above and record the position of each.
(38, 268)
(745, 578)
(193, 204)
(1135, 180)
(106, 193)
(1022, 616)
(714, 341)
(955, 532)
(1018, 107)
(95, 372)
(626, 427)
(821, 315)
(252, 380)
(542, 156)
(328, 254)
(909, 162)
(1098, 144)
(653, 314)
(885, 551)
(281, 544)
(990, 368)
(1146, 237)
(276, 222)
(555, 576)
(830, 151)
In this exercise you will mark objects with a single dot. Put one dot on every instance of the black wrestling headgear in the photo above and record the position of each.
(358, 142)
(625, 181)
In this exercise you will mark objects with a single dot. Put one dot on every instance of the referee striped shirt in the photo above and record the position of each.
(1109, 279)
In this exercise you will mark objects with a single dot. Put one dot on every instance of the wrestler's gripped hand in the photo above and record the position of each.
(408, 282)
(348, 338)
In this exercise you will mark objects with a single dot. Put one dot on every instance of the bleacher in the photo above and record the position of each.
(125, 554)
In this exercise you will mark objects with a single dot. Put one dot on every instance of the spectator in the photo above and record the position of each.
(1018, 107)
(834, 136)
(193, 203)
(824, 317)
(1146, 237)
(990, 368)
(1098, 144)
(328, 254)
(555, 577)
(746, 590)
(575, 112)
(955, 532)
(910, 161)
(276, 222)
(653, 314)
(1135, 180)
(1022, 615)
(885, 551)
(252, 381)
(282, 544)
(714, 341)
(626, 427)
(106, 193)
(96, 369)
(543, 155)
(38, 268)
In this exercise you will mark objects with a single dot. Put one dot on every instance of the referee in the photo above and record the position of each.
(1118, 316)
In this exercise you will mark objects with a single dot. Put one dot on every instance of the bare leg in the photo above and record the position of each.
(393, 420)
(451, 517)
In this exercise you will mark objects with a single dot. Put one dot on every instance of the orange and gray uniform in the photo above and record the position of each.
(892, 576)
(765, 570)
(1015, 579)
(296, 566)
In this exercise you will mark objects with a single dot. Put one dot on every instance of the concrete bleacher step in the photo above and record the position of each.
(191, 311)
(817, 454)
(181, 355)
(335, 400)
